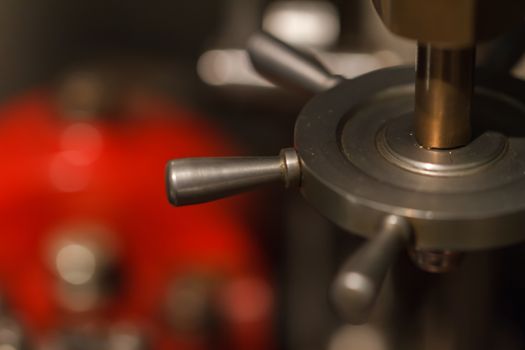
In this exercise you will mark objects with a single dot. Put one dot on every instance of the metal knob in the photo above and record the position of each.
(287, 66)
(198, 180)
(358, 283)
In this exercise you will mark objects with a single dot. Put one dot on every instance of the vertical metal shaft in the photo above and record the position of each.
(444, 80)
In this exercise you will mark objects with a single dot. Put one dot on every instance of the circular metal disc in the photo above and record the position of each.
(360, 162)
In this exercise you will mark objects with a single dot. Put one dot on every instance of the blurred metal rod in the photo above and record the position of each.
(198, 180)
(288, 67)
(358, 284)
(444, 83)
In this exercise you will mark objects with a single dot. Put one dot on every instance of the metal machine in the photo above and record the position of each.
(422, 162)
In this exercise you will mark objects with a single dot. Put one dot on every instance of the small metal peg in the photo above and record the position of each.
(199, 180)
(436, 261)
(359, 282)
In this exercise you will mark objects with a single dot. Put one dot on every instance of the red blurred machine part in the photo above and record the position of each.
(89, 241)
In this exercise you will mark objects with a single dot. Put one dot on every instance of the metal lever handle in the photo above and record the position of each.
(358, 283)
(198, 180)
(286, 66)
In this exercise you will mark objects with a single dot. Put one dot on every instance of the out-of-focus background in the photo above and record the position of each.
(95, 97)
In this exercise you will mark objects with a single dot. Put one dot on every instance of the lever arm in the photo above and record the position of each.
(198, 180)
(359, 282)
(287, 66)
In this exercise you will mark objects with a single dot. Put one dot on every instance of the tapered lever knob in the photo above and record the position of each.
(287, 66)
(359, 282)
(198, 180)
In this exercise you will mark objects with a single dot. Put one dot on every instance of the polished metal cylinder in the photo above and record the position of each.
(444, 80)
